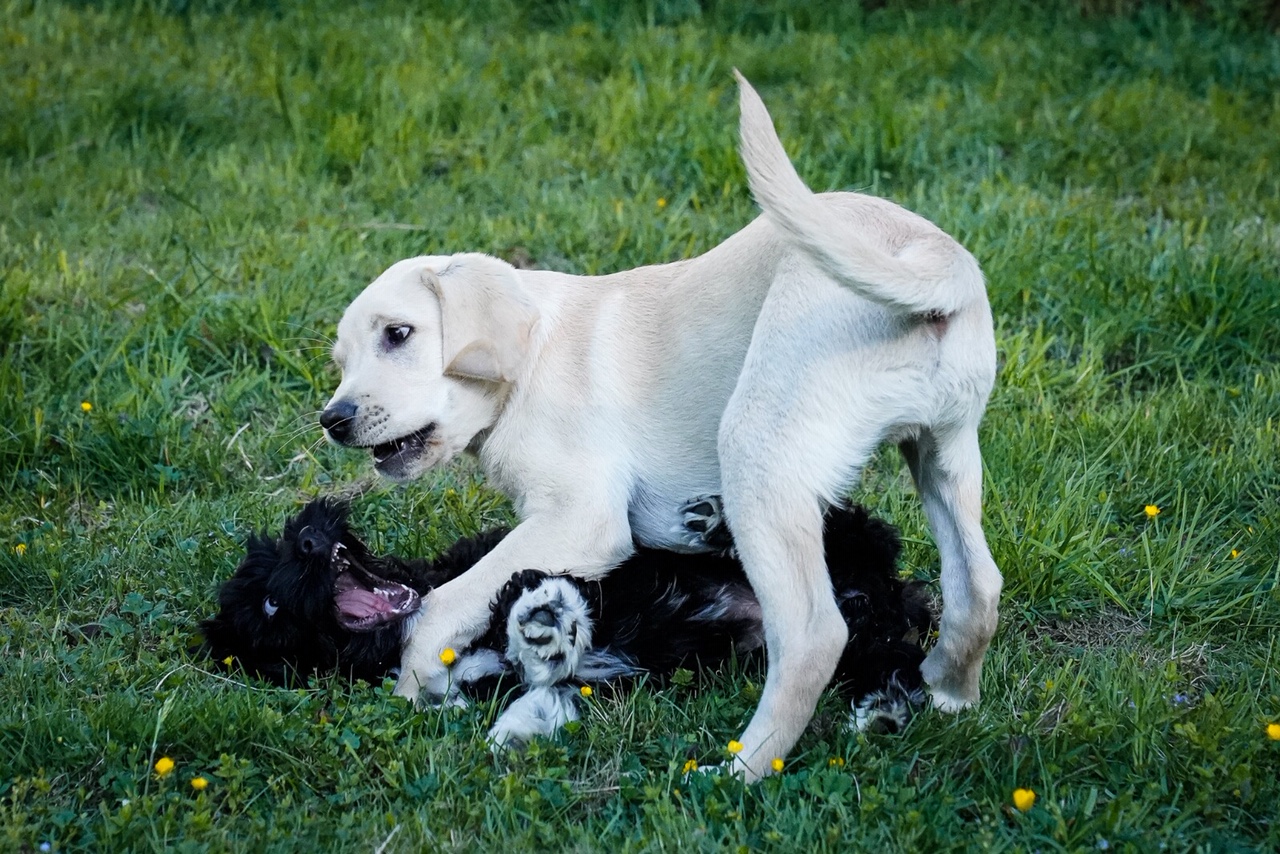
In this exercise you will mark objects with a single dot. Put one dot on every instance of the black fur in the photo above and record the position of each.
(304, 636)
(658, 611)
(652, 610)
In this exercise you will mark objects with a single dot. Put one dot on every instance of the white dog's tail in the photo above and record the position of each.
(931, 274)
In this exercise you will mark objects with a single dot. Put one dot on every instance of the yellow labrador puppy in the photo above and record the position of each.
(767, 371)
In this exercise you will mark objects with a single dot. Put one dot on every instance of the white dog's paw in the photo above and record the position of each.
(425, 683)
(542, 711)
(548, 629)
(887, 710)
(953, 685)
(703, 525)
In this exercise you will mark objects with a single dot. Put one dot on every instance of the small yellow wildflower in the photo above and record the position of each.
(690, 766)
(448, 656)
(585, 691)
(735, 747)
(1024, 799)
(164, 765)
(1151, 510)
(777, 764)
(229, 660)
(199, 783)
(20, 549)
(662, 203)
(1273, 732)
(1235, 553)
(86, 406)
(836, 762)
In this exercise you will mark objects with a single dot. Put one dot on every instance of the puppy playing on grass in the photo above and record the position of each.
(317, 599)
(767, 370)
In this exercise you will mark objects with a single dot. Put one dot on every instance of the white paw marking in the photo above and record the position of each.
(542, 711)
(548, 630)
(887, 710)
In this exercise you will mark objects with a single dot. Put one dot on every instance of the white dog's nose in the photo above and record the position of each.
(338, 419)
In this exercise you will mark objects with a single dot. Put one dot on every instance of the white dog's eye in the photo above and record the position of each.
(269, 607)
(397, 335)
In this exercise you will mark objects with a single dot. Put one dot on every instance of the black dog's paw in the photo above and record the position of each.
(540, 712)
(703, 524)
(889, 709)
(548, 629)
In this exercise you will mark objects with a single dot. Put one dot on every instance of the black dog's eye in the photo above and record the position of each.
(269, 607)
(397, 334)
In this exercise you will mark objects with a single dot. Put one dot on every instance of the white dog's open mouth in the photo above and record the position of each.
(406, 449)
(363, 601)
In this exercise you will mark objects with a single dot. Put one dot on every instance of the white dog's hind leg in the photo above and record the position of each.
(778, 532)
(947, 467)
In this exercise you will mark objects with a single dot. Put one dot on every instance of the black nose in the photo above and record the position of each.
(338, 420)
(312, 543)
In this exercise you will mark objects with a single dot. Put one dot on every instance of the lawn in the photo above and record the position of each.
(193, 192)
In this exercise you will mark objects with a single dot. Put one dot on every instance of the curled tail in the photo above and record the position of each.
(930, 273)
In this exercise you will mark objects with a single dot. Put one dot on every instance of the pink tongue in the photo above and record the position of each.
(360, 603)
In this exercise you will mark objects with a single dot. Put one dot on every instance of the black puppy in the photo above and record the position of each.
(317, 599)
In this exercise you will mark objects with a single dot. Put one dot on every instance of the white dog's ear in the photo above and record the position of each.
(487, 319)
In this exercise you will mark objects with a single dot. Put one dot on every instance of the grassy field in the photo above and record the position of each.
(192, 194)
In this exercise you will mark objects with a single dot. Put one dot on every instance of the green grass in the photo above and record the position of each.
(193, 193)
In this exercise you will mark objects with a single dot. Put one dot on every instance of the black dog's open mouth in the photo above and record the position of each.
(363, 601)
(404, 449)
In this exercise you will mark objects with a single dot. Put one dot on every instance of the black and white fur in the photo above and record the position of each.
(317, 599)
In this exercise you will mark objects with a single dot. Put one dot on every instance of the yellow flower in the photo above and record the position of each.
(735, 747)
(1024, 799)
(86, 406)
(199, 783)
(1151, 510)
(836, 762)
(1273, 732)
(448, 656)
(662, 203)
(690, 766)
(585, 691)
(777, 764)
(164, 765)
(229, 660)
(1235, 553)
(20, 549)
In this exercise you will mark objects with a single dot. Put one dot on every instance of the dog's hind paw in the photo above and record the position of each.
(548, 629)
(540, 712)
(704, 525)
(887, 710)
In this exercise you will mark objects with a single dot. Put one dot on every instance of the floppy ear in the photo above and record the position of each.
(487, 319)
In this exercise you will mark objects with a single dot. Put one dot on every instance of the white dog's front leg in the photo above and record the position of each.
(457, 613)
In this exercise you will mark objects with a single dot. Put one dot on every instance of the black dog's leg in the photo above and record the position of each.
(880, 668)
(544, 622)
(705, 525)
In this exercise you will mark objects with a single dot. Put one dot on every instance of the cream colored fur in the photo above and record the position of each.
(767, 370)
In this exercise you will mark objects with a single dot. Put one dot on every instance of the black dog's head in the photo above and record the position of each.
(314, 599)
